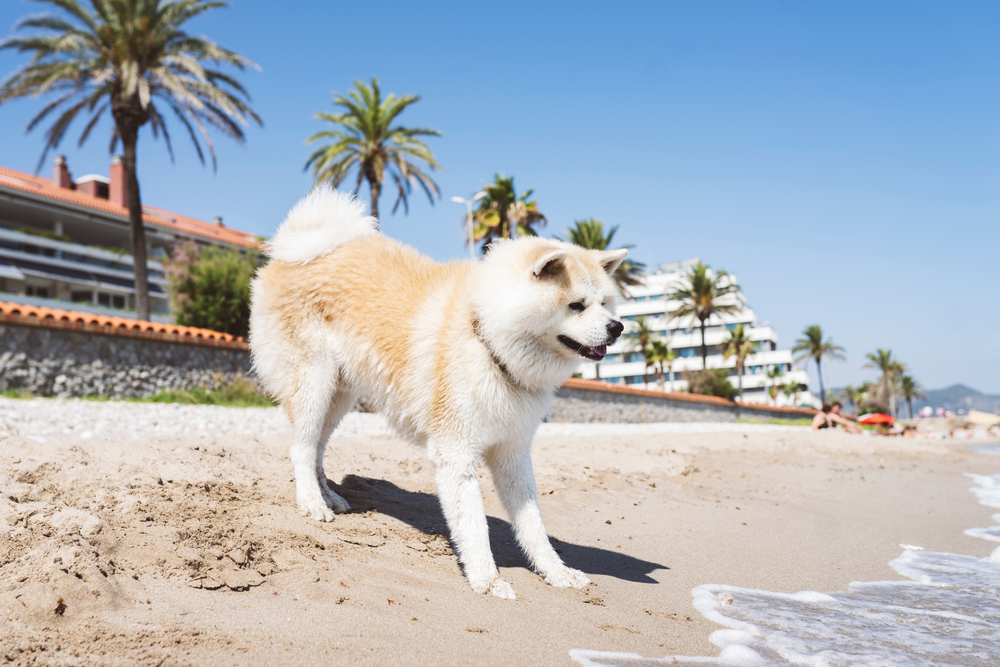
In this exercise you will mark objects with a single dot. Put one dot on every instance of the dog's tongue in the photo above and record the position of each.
(600, 350)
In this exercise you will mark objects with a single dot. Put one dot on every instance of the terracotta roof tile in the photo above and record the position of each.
(71, 319)
(44, 187)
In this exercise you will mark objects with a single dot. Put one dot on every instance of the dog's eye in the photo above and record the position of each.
(577, 307)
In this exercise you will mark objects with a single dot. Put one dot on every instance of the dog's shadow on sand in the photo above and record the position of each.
(422, 511)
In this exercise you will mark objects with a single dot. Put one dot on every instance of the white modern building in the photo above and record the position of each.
(625, 364)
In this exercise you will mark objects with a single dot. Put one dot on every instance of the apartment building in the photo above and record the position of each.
(625, 363)
(64, 241)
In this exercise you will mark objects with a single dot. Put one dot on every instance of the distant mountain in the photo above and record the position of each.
(959, 397)
(956, 397)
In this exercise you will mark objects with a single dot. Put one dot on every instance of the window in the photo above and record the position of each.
(111, 300)
(635, 356)
(634, 379)
(81, 297)
(687, 352)
(36, 290)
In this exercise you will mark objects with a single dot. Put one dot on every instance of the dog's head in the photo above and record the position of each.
(550, 299)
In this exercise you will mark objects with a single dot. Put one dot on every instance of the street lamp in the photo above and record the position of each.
(468, 218)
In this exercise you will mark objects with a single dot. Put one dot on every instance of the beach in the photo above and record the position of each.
(164, 545)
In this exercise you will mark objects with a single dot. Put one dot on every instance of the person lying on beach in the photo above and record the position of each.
(829, 417)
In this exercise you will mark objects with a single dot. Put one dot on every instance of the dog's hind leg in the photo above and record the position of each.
(515, 483)
(309, 408)
(341, 404)
(462, 503)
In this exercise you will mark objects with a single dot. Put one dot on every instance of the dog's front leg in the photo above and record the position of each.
(515, 483)
(462, 503)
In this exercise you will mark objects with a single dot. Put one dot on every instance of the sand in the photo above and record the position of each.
(186, 550)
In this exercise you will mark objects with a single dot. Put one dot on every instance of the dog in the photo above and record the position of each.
(460, 358)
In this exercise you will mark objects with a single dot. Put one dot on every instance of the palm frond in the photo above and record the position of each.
(362, 137)
(121, 55)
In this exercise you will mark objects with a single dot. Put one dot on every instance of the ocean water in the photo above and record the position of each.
(949, 614)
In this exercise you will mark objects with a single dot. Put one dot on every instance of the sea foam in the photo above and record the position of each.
(949, 614)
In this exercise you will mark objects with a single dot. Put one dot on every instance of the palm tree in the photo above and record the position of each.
(132, 58)
(701, 295)
(888, 382)
(812, 346)
(791, 392)
(910, 389)
(775, 373)
(740, 346)
(864, 397)
(502, 214)
(642, 337)
(363, 137)
(659, 356)
(669, 361)
(589, 233)
(852, 394)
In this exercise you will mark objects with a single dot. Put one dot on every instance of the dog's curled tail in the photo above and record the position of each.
(322, 221)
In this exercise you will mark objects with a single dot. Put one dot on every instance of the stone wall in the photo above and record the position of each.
(62, 357)
(49, 361)
(587, 401)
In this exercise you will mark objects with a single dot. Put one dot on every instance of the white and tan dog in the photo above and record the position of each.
(462, 358)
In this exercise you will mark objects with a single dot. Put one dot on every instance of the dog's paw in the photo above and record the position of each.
(501, 589)
(333, 500)
(566, 577)
(496, 587)
(316, 512)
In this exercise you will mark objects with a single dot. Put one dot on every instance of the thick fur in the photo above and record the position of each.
(460, 358)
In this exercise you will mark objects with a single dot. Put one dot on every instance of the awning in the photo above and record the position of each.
(10, 271)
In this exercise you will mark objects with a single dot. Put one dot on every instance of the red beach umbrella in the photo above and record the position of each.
(876, 418)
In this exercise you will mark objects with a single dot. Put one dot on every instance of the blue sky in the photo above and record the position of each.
(842, 159)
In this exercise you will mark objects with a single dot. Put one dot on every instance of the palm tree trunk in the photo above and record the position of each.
(670, 369)
(376, 191)
(819, 372)
(909, 405)
(597, 371)
(739, 377)
(137, 232)
(704, 350)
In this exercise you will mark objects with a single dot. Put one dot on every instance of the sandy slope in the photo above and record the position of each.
(188, 550)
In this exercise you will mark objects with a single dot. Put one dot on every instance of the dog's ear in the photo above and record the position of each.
(610, 259)
(550, 263)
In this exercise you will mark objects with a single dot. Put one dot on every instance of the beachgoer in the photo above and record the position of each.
(821, 420)
(830, 416)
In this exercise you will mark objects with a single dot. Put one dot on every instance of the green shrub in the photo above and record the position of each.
(240, 393)
(210, 287)
(780, 421)
(711, 382)
(14, 393)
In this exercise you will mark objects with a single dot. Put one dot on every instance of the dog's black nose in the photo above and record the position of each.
(615, 328)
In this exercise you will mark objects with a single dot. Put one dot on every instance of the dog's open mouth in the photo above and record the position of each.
(593, 353)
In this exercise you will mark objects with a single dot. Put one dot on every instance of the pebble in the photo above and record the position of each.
(41, 419)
